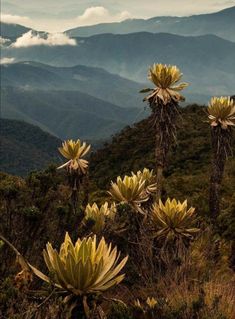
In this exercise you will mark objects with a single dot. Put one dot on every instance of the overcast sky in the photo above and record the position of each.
(59, 15)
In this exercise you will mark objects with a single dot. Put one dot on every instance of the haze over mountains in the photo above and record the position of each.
(66, 114)
(86, 102)
(93, 81)
(207, 61)
(220, 23)
(85, 82)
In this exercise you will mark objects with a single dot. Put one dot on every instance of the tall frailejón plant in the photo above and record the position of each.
(221, 114)
(164, 102)
(76, 165)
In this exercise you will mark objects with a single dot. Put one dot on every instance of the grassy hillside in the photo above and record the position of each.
(130, 150)
(25, 147)
(188, 172)
(197, 282)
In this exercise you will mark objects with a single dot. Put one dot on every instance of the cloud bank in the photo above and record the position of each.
(95, 15)
(91, 15)
(4, 41)
(7, 60)
(29, 39)
(15, 19)
(75, 13)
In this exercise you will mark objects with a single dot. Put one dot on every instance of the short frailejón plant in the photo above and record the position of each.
(221, 114)
(146, 309)
(163, 101)
(99, 215)
(150, 302)
(149, 178)
(83, 269)
(133, 190)
(173, 220)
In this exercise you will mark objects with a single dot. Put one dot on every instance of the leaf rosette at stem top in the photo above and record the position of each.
(166, 78)
(74, 151)
(221, 112)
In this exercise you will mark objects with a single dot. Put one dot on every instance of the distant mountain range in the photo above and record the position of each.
(66, 114)
(220, 23)
(90, 90)
(93, 81)
(207, 61)
(9, 30)
(25, 147)
(86, 102)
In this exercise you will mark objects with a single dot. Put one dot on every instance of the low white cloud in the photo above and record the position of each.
(95, 15)
(14, 19)
(30, 38)
(4, 41)
(7, 60)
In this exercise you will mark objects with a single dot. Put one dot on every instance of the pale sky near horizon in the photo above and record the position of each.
(60, 15)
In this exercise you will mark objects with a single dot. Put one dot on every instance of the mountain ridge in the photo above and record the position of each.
(66, 114)
(200, 24)
(130, 55)
(12, 30)
(90, 80)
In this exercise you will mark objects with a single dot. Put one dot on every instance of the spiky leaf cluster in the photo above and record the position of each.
(133, 190)
(149, 178)
(221, 112)
(149, 304)
(166, 78)
(99, 215)
(84, 267)
(74, 151)
(173, 220)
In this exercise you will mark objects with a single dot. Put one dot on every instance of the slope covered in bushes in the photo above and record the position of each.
(189, 161)
(196, 282)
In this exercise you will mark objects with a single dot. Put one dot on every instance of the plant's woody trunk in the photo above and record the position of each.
(159, 155)
(221, 146)
(164, 117)
(75, 180)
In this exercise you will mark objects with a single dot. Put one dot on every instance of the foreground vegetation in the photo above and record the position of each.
(126, 254)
